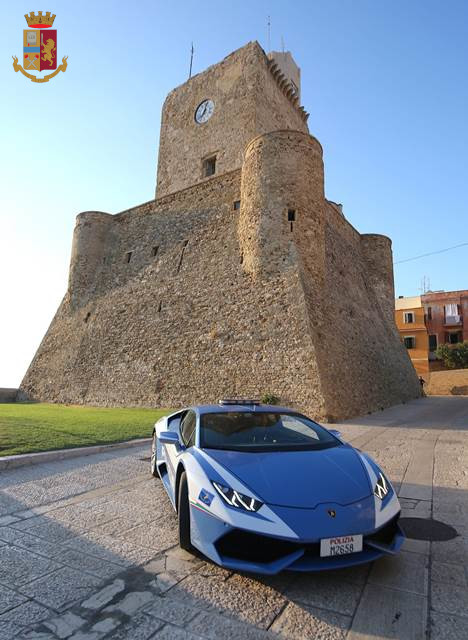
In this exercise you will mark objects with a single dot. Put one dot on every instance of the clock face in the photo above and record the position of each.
(204, 111)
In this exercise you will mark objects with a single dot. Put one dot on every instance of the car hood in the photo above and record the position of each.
(300, 479)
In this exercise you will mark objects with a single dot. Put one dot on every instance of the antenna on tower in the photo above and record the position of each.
(269, 34)
(191, 61)
(425, 285)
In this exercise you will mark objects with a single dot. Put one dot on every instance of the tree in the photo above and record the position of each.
(455, 356)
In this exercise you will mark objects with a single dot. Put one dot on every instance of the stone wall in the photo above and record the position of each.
(8, 395)
(452, 382)
(186, 325)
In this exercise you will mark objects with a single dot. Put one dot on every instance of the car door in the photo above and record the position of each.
(171, 451)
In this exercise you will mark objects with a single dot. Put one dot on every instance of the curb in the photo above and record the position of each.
(26, 459)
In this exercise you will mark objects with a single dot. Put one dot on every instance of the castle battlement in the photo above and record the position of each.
(240, 278)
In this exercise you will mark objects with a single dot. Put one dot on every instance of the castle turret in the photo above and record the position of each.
(282, 198)
(88, 253)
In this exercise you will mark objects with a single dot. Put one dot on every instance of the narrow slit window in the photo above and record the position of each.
(128, 256)
(160, 306)
(236, 205)
(182, 255)
(154, 251)
(209, 167)
(291, 218)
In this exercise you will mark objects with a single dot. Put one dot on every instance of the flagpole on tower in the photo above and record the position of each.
(269, 29)
(191, 61)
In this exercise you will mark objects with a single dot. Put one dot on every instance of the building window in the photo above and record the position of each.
(128, 256)
(236, 205)
(409, 317)
(409, 342)
(209, 167)
(291, 218)
(453, 338)
(429, 313)
(154, 251)
(452, 314)
(432, 342)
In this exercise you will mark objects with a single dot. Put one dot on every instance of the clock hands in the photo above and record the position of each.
(204, 111)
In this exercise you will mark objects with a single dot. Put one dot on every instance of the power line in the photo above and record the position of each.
(433, 253)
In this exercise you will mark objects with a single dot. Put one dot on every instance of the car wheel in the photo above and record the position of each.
(154, 466)
(184, 514)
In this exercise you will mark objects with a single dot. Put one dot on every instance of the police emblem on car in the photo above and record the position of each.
(258, 488)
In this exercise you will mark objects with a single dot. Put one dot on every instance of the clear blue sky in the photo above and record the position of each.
(385, 84)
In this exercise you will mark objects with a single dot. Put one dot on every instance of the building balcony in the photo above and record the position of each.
(451, 321)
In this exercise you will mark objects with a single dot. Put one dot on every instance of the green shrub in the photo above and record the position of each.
(454, 356)
(270, 398)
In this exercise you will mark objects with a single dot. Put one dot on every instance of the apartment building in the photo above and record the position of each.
(425, 322)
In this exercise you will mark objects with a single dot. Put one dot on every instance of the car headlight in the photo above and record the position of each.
(236, 499)
(382, 488)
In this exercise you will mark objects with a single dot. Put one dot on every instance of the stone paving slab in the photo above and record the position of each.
(18, 566)
(406, 572)
(389, 613)
(9, 599)
(89, 550)
(61, 589)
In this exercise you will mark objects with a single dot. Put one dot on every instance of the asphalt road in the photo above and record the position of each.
(88, 551)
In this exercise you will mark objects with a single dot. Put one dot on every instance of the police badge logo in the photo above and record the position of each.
(39, 48)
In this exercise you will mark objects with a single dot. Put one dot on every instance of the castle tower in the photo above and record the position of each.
(240, 278)
(208, 121)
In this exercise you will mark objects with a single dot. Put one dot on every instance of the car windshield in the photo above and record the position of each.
(262, 431)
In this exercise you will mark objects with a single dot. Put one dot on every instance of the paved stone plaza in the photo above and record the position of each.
(88, 551)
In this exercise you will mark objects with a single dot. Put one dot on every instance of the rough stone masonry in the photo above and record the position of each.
(240, 278)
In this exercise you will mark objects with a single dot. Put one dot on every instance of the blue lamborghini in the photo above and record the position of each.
(264, 488)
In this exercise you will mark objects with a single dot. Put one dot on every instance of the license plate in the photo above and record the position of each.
(340, 545)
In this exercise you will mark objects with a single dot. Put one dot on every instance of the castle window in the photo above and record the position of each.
(291, 217)
(128, 256)
(236, 205)
(209, 166)
(185, 243)
(154, 251)
(409, 342)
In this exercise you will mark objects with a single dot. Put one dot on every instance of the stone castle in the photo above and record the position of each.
(239, 279)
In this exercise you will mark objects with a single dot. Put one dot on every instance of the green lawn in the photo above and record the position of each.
(29, 427)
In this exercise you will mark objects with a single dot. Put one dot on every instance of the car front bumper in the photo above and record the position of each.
(244, 550)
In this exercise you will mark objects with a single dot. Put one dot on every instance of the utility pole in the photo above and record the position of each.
(191, 61)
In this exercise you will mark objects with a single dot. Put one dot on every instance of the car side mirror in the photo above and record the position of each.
(169, 437)
(336, 433)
